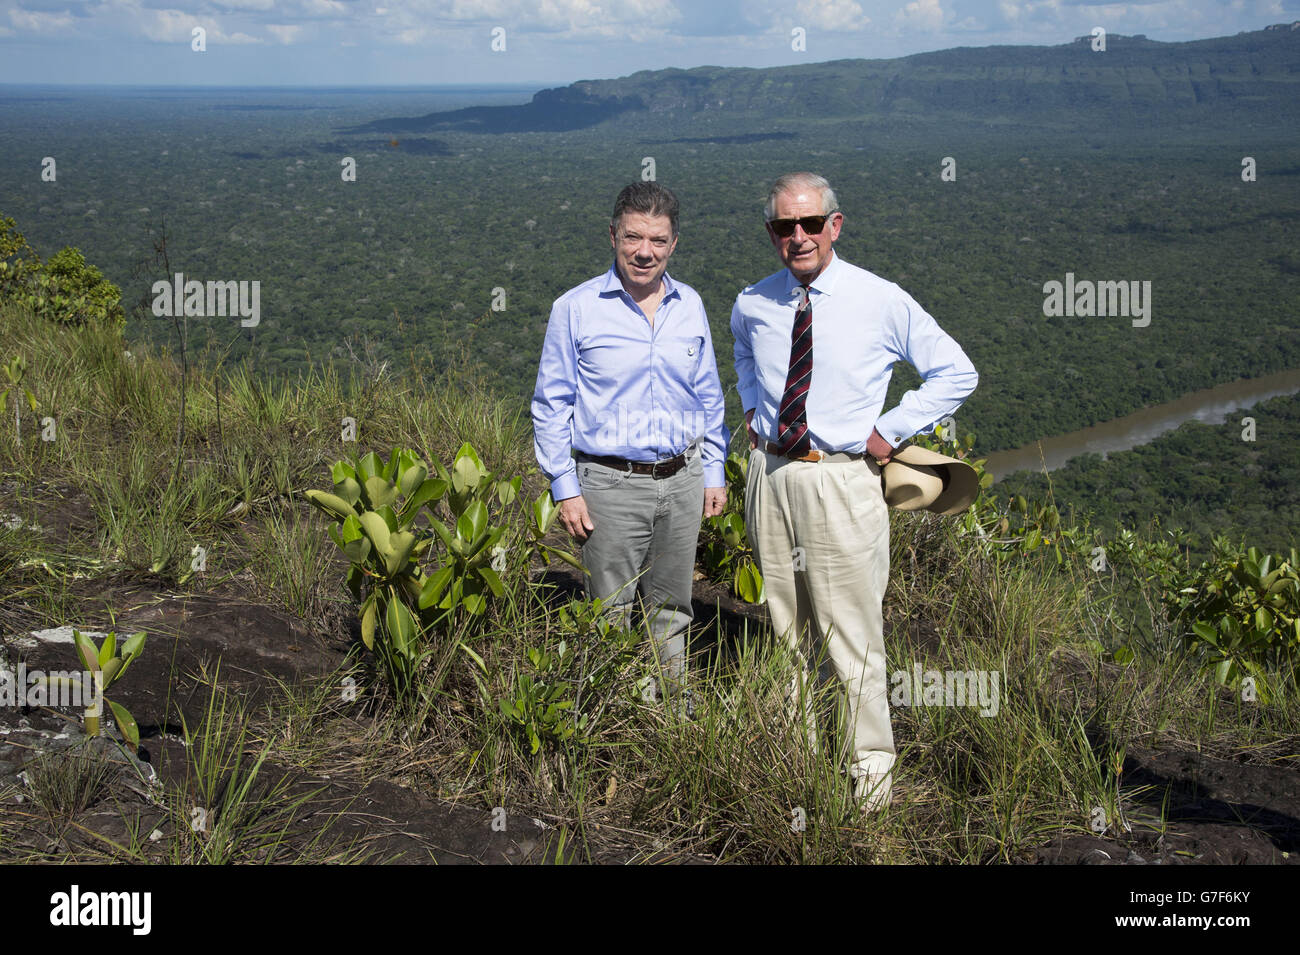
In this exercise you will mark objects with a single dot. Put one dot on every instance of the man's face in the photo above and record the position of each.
(803, 254)
(642, 245)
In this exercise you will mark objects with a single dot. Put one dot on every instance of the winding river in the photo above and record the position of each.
(1211, 406)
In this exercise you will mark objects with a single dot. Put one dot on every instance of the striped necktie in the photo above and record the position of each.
(792, 421)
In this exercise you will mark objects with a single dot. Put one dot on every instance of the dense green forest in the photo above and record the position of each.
(247, 185)
(1228, 479)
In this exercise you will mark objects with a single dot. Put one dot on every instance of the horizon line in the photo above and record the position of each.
(537, 85)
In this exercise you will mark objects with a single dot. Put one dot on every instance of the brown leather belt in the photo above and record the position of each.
(657, 469)
(773, 448)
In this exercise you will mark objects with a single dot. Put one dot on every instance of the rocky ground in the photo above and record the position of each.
(1216, 810)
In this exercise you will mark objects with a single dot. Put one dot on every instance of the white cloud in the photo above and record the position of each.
(285, 34)
(173, 26)
(323, 8)
(833, 14)
(412, 20)
(38, 21)
(924, 16)
(228, 5)
(766, 17)
(1015, 12)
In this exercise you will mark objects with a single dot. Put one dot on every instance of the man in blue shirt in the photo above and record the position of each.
(815, 345)
(628, 385)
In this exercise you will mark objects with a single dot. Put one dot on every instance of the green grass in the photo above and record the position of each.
(64, 784)
(740, 783)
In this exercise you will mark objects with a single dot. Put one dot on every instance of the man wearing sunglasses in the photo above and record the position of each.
(815, 345)
(628, 424)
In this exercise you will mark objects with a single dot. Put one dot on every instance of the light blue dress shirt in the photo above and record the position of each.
(861, 325)
(610, 385)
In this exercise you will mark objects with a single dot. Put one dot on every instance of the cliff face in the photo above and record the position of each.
(1133, 71)
(1257, 72)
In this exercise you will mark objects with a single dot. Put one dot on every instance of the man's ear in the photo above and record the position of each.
(770, 234)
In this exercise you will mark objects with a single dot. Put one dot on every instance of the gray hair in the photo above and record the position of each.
(805, 180)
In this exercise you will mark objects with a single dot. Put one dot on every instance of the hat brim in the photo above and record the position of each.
(910, 478)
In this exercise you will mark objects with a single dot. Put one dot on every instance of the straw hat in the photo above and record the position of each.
(919, 479)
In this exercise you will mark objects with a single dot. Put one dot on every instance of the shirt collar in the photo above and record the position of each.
(614, 285)
(824, 284)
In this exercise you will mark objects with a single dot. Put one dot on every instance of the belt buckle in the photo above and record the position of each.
(654, 468)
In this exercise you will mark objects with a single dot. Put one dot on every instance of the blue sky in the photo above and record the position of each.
(546, 42)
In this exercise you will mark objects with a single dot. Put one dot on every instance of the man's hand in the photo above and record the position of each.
(576, 520)
(879, 448)
(749, 429)
(715, 500)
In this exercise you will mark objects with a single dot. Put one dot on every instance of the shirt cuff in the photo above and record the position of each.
(566, 485)
(715, 475)
(892, 429)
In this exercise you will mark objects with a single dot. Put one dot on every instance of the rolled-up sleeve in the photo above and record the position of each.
(553, 400)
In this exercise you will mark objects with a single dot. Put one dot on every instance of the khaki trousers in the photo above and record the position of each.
(820, 532)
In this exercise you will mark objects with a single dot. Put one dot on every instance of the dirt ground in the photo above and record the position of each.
(1217, 811)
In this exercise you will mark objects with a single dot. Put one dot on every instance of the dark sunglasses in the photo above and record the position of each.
(811, 225)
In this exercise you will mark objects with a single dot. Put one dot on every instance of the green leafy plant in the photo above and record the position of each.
(565, 690)
(541, 518)
(471, 563)
(106, 664)
(1241, 614)
(1016, 529)
(375, 506)
(541, 704)
(18, 260)
(69, 291)
(65, 289)
(13, 373)
(724, 552)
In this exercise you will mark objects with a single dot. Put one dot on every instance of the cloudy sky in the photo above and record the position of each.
(540, 42)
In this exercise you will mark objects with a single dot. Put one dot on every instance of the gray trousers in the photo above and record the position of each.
(643, 546)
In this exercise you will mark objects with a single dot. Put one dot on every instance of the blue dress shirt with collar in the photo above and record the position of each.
(610, 385)
(862, 324)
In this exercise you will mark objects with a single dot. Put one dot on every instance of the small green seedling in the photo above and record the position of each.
(106, 665)
(13, 373)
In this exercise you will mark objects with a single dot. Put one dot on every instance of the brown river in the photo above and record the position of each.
(1210, 406)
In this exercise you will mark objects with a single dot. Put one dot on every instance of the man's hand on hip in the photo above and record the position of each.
(749, 429)
(879, 448)
(575, 518)
(715, 500)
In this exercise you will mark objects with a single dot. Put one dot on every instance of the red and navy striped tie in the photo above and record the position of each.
(792, 421)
